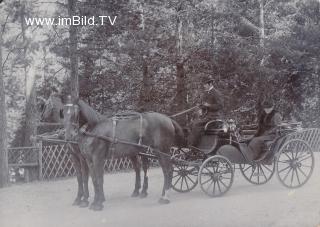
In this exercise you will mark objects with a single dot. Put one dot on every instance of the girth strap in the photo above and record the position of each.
(125, 116)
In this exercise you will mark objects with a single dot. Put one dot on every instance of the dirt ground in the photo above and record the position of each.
(46, 204)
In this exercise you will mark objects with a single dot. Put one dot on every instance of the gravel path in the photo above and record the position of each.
(46, 204)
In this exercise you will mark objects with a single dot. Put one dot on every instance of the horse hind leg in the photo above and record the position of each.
(136, 166)
(167, 170)
(145, 166)
(98, 171)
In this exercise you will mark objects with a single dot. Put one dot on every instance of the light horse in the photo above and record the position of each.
(101, 140)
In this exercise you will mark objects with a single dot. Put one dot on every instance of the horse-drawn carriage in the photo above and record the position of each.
(222, 149)
(150, 135)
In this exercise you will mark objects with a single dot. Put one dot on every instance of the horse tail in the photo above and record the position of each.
(180, 138)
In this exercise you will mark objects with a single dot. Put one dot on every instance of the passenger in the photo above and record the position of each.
(268, 120)
(211, 108)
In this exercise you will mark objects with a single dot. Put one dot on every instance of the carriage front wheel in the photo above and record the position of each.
(185, 177)
(216, 176)
(295, 163)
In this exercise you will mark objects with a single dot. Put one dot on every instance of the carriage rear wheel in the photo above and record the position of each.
(257, 173)
(185, 177)
(216, 176)
(295, 163)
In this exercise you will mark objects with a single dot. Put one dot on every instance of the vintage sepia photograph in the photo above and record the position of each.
(159, 113)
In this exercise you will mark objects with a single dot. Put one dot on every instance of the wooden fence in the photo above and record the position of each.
(52, 160)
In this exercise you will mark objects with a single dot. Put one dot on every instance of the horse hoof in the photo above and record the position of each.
(96, 207)
(84, 203)
(76, 202)
(164, 201)
(143, 195)
(135, 194)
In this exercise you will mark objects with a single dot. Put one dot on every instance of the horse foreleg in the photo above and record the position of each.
(136, 167)
(76, 163)
(85, 181)
(145, 166)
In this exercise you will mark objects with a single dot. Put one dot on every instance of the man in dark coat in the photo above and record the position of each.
(211, 108)
(268, 120)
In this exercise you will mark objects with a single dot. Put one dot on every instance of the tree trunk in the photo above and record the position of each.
(3, 127)
(73, 41)
(262, 25)
(145, 100)
(31, 107)
(180, 101)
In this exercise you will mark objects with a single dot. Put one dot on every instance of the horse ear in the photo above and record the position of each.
(61, 114)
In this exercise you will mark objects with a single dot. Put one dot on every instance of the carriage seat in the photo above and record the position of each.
(214, 127)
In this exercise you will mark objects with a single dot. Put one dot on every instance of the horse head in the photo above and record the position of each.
(52, 111)
(76, 113)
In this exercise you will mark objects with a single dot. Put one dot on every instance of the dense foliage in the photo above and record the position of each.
(155, 55)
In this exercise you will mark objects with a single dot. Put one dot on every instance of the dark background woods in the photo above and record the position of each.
(154, 57)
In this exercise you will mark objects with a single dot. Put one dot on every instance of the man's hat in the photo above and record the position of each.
(268, 103)
(207, 80)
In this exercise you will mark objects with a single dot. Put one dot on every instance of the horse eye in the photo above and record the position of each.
(61, 114)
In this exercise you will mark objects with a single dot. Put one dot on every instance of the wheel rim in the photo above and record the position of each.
(216, 176)
(295, 163)
(184, 178)
(257, 173)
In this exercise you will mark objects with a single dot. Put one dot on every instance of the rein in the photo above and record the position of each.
(185, 111)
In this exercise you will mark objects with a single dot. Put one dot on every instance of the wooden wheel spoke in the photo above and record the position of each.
(214, 188)
(268, 168)
(288, 156)
(287, 174)
(202, 183)
(284, 169)
(177, 180)
(303, 173)
(181, 184)
(212, 181)
(185, 179)
(297, 176)
(193, 182)
(306, 157)
(247, 168)
(253, 170)
(292, 177)
(263, 173)
(284, 161)
(209, 170)
(219, 186)
(223, 183)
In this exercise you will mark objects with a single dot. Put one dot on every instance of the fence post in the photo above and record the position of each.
(40, 160)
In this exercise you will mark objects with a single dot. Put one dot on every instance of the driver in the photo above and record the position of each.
(268, 120)
(211, 108)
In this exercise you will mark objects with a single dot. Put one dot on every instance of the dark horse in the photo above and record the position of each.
(90, 119)
(53, 113)
(154, 130)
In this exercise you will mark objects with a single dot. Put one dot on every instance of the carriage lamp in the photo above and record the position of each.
(225, 128)
(232, 125)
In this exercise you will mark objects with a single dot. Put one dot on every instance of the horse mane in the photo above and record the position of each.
(91, 116)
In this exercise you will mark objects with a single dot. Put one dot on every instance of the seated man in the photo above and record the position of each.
(268, 120)
(211, 108)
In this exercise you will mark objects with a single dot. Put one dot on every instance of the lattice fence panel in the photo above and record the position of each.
(311, 136)
(21, 155)
(56, 162)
